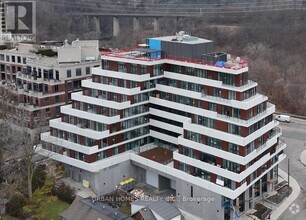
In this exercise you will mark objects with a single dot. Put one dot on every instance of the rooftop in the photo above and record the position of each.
(87, 209)
(162, 208)
(235, 63)
(44, 60)
(183, 38)
(158, 154)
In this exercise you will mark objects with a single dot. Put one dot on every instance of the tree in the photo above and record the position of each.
(64, 192)
(20, 142)
(39, 177)
(41, 196)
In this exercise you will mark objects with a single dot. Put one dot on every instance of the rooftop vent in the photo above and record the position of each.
(184, 36)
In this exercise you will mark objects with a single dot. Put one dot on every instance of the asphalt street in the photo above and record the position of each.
(294, 134)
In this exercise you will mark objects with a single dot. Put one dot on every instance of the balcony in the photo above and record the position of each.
(270, 110)
(243, 104)
(249, 84)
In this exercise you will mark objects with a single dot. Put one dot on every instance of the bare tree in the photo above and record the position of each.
(20, 143)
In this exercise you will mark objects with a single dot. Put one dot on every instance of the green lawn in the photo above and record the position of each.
(52, 210)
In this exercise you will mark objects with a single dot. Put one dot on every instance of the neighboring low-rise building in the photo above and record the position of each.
(175, 115)
(44, 77)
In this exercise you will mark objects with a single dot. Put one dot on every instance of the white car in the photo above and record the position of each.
(283, 118)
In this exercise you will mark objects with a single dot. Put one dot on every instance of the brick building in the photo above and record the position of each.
(175, 115)
(44, 83)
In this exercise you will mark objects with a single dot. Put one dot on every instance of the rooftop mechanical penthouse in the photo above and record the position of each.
(173, 114)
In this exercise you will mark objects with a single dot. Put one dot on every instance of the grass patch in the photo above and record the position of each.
(125, 209)
(7, 217)
(53, 210)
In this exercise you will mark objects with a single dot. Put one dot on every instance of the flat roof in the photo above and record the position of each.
(147, 50)
(187, 40)
(44, 60)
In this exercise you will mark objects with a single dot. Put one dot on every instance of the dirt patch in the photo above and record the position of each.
(282, 193)
(158, 154)
(261, 211)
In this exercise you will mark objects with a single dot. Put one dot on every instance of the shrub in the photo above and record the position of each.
(64, 192)
(14, 206)
(39, 177)
(3, 47)
(47, 52)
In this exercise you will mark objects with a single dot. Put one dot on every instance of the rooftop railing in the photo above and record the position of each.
(135, 55)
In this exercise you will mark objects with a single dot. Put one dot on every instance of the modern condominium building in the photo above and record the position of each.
(175, 115)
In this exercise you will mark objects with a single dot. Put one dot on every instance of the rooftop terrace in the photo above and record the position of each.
(158, 154)
(149, 55)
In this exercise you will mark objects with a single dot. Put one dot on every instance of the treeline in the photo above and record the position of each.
(272, 42)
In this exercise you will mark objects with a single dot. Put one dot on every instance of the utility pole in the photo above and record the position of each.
(288, 176)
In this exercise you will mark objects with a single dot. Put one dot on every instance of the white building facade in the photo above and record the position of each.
(177, 94)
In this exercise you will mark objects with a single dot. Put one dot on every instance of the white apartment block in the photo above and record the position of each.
(173, 114)
(44, 83)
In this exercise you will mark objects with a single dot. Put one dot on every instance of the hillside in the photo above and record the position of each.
(272, 41)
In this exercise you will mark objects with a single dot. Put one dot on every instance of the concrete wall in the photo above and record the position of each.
(204, 204)
(106, 180)
(69, 54)
(152, 179)
(186, 51)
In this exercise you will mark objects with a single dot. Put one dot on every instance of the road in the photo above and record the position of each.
(294, 134)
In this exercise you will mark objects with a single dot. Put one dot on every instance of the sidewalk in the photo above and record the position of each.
(288, 201)
(279, 210)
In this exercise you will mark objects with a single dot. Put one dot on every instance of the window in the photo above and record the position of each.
(260, 140)
(231, 94)
(157, 70)
(231, 166)
(57, 75)
(176, 69)
(143, 69)
(233, 148)
(214, 142)
(208, 122)
(78, 71)
(76, 84)
(57, 99)
(24, 60)
(69, 85)
(13, 59)
(47, 110)
(212, 106)
(234, 129)
(105, 64)
(121, 67)
(57, 110)
(227, 79)
(133, 69)
(46, 88)
(217, 92)
(7, 58)
(87, 70)
(56, 88)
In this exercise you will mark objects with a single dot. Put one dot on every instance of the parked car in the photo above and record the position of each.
(283, 118)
